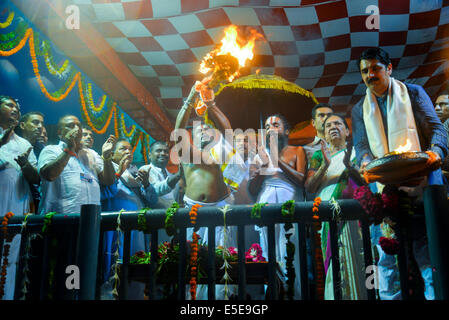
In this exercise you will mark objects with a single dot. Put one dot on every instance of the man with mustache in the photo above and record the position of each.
(87, 141)
(70, 174)
(391, 113)
(163, 181)
(381, 109)
(319, 114)
(17, 170)
(31, 127)
(271, 183)
(130, 192)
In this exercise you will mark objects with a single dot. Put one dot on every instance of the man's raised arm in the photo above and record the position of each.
(186, 110)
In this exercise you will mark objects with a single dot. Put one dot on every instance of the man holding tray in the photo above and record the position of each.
(391, 114)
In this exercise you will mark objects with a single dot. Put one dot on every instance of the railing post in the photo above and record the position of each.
(436, 210)
(87, 249)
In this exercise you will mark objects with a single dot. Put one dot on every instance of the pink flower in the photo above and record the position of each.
(232, 251)
(371, 203)
(254, 253)
(362, 192)
(389, 245)
(390, 197)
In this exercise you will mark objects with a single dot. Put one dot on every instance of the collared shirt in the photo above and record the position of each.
(15, 195)
(432, 135)
(99, 163)
(382, 103)
(76, 185)
(158, 178)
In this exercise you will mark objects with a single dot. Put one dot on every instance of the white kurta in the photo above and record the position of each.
(76, 185)
(15, 197)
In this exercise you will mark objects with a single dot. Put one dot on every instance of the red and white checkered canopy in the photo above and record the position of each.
(314, 43)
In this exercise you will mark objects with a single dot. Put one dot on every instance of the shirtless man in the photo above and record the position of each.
(204, 181)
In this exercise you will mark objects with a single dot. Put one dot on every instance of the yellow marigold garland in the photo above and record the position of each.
(19, 46)
(29, 35)
(8, 21)
(117, 133)
(38, 76)
(86, 114)
(90, 100)
(125, 132)
(137, 141)
(144, 149)
(58, 71)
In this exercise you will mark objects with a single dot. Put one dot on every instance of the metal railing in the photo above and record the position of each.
(81, 236)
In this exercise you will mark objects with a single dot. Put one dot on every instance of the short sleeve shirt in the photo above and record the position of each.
(77, 184)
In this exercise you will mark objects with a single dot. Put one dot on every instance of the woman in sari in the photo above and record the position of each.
(331, 174)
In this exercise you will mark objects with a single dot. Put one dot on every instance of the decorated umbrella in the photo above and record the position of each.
(247, 100)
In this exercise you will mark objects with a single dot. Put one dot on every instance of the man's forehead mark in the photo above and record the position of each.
(273, 120)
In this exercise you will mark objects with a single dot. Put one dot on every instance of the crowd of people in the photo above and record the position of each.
(39, 178)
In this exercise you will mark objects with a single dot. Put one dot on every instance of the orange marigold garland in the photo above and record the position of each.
(194, 252)
(6, 248)
(319, 264)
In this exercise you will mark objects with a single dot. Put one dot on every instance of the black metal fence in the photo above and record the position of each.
(80, 237)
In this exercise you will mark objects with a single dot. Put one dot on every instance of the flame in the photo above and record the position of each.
(404, 148)
(230, 44)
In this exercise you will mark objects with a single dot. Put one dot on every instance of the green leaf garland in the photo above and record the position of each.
(47, 222)
(288, 210)
(170, 228)
(256, 211)
(142, 221)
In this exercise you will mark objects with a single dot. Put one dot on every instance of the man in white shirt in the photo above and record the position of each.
(17, 168)
(70, 174)
(163, 181)
(87, 140)
(319, 114)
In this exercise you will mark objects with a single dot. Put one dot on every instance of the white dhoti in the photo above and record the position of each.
(231, 240)
(275, 190)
